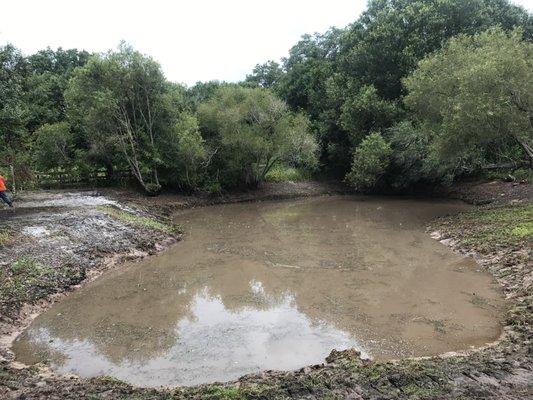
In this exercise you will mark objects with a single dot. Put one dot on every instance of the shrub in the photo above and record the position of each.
(370, 161)
(252, 131)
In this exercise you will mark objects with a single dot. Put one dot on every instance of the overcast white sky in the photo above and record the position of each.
(194, 40)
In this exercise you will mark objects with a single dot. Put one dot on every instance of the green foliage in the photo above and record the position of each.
(13, 107)
(468, 104)
(184, 155)
(5, 237)
(250, 130)
(266, 75)
(31, 94)
(282, 173)
(203, 91)
(125, 96)
(54, 146)
(414, 158)
(477, 92)
(212, 188)
(49, 74)
(524, 230)
(366, 112)
(349, 81)
(225, 393)
(370, 161)
(523, 174)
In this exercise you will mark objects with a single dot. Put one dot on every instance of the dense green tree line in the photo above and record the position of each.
(354, 82)
(414, 92)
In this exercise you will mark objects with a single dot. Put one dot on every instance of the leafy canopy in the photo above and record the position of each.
(251, 130)
(477, 93)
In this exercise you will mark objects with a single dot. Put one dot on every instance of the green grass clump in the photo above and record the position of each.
(523, 230)
(138, 220)
(4, 237)
(282, 173)
(521, 175)
(416, 392)
(487, 228)
(225, 393)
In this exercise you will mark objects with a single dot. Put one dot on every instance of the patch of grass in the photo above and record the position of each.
(523, 230)
(26, 280)
(225, 393)
(145, 222)
(5, 236)
(486, 228)
(281, 173)
(521, 175)
(416, 392)
(108, 380)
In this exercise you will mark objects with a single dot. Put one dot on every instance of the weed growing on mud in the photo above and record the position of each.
(26, 280)
(138, 220)
(4, 237)
(229, 393)
(487, 228)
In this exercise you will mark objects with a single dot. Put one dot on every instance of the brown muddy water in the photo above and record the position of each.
(274, 285)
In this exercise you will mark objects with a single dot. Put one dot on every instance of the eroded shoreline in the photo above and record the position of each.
(500, 370)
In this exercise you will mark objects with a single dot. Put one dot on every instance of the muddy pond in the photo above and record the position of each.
(274, 285)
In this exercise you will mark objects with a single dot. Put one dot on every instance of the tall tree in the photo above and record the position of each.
(478, 93)
(329, 76)
(266, 75)
(48, 73)
(124, 95)
(252, 130)
(13, 110)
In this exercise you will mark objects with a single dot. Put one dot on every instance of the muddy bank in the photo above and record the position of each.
(502, 371)
(494, 192)
(168, 203)
(55, 240)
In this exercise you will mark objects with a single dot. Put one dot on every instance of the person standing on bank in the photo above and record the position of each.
(3, 194)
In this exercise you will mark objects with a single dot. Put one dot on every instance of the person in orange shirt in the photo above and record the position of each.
(3, 194)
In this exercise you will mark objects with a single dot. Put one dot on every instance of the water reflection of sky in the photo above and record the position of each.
(212, 344)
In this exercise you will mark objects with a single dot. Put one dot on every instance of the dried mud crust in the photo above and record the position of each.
(501, 371)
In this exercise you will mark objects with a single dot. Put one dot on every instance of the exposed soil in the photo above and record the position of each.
(494, 192)
(54, 240)
(501, 371)
(167, 203)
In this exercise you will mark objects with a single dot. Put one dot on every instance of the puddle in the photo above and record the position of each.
(274, 285)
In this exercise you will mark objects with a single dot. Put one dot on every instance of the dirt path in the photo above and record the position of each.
(71, 238)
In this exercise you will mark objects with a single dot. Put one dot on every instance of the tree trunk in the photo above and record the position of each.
(13, 182)
(528, 149)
